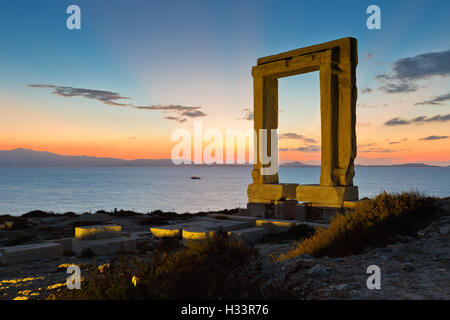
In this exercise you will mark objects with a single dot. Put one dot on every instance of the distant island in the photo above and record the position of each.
(21, 157)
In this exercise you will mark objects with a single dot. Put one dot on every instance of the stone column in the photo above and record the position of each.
(265, 111)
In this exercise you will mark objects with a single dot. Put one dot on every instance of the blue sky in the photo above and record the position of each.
(199, 54)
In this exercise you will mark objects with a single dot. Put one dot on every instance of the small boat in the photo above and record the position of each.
(195, 177)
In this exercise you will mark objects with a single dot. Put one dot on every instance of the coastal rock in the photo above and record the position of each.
(318, 270)
(408, 267)
(444, 230)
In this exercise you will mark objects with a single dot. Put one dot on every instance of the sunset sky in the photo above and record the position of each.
(138, 70)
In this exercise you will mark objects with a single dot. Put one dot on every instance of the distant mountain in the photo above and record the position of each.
(296, 164)
(410, 165)
(29, 158)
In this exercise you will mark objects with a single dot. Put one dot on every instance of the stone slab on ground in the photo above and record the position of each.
(30, 252)
(98, 232)
(249, 235)
(221, 216)
(276, 225)
(314, 224)
(167, 231)
(65, 242)
(197, 233)
(203, 225)
(101, 247)
(141, 234)
(220, 224)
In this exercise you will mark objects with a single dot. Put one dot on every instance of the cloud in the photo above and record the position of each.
(366, 90)
(170, 107)
(434, 138)
(194, 114)
(178, 119)
(406, 72)
(310, 148)
(363, 105)
(247, 114)
(106, 97)
(112, 98)
(436, 100)
(295, 136)
(421, 119)
(380, 150)
(402, 87)
(365, 145)
(368, 55)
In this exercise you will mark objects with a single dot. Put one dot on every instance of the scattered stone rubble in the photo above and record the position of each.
(413, 267)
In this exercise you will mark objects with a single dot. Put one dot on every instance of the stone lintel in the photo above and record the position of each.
(346, 54)
(324, 195)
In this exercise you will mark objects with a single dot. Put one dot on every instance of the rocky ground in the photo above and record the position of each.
(411, 267)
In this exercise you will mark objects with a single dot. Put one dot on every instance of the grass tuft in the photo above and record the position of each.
(371, 223)
(216, 268)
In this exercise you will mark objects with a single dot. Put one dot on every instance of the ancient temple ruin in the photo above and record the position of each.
(336, 62)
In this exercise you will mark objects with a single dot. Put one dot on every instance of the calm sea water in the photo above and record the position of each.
(147, 189)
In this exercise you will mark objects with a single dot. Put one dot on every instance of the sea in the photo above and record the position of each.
(147, 189)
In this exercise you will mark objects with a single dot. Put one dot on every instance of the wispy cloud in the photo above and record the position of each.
(421, 119)
(436, 100)
(178, 119)
(434, 138)
(379, 150)
(296, 136)
(406, 72)
(114, 99)
(366, 90)
(247, 114)
(368, 55)
(106, 97)
(307, 149)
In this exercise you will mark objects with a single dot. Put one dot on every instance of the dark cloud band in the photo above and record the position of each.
(421, 119)
(114, 99)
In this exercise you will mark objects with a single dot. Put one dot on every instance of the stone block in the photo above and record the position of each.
(30, 252)
(271, 192)
(101, 247)
(326, 195)
(141, 234)
(248, 219)
(264, 193)
(249, 235)
(285, 209)
(276, 225)
(167, 231)
(65, 242)
(301, 212)
(98, 232)
(220, 224)
(257, 209)
(197, 233)
(8, 224)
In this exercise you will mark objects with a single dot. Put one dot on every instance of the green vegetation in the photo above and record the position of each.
(371, 223)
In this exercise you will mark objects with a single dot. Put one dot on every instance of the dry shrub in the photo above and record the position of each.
(372, 222)
(217, 268)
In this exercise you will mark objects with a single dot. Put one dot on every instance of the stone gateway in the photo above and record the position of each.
(336, 62)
